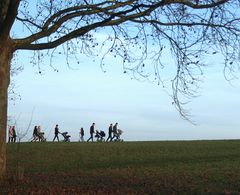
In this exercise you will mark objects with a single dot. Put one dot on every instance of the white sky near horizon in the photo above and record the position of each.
(78, 96)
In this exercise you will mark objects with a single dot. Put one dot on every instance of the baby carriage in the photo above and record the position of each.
(117, 135)
(66, 136)
(39, 136)
(100, 136)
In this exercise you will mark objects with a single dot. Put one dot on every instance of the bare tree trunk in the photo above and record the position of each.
(5, 59)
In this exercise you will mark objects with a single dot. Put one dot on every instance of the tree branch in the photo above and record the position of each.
(196, 5)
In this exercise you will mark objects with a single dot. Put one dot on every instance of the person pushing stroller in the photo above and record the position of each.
(110, 130)
(91, 132)
(56, 133)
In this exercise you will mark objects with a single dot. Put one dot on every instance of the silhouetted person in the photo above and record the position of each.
(10, 135)
(14, 135)
(82, 135)
(91, 132)
(40, 134)
(114, 131)
(110, 129)
(35, 134)
(56, 133)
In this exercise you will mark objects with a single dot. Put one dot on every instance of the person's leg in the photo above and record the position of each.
(92, 137)
(88, 139)
(109, 138)
(112, 138)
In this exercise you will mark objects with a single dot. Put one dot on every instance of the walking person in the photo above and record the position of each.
(14, 135)
(35, 134)
(110, 129)
(91, 132)
(115, 131)
(40, 134)
(10, 135)
(56, 133)
(81, 134)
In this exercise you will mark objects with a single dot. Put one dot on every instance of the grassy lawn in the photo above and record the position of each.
(176, 167)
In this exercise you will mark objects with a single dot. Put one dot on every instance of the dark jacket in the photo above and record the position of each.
(92, 129)
(115, 128)
(35, 131)
(82, 132)
(110, 129)
(56, 130)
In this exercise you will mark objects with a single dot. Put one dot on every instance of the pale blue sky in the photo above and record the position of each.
(78, 96)
(75, 98)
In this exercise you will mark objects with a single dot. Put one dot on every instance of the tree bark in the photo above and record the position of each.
(5, 59)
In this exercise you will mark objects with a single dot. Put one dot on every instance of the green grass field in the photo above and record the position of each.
(174, 167)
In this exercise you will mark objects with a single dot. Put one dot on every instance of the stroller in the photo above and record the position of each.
(41, 137)
(100, 136)
(117, 135)
(38, 137)
(66, 137)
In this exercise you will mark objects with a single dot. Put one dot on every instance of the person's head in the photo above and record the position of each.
(81, 128)
(116, 123)
(93, 124)
(56, 125)
(111, 124)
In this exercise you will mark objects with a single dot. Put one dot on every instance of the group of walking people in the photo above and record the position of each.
(113, 133)
(38, 135)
